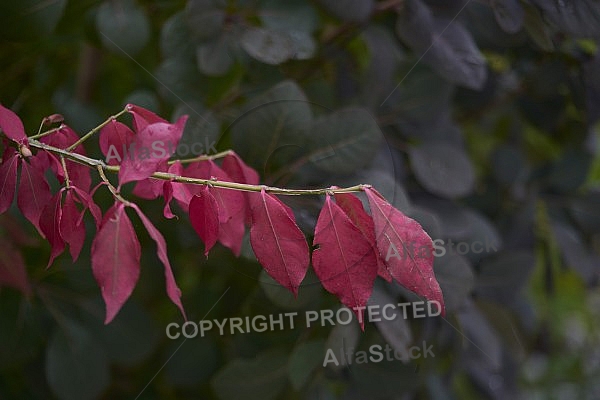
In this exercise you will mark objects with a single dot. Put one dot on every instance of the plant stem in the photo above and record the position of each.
(203, 157)
(101, 166)
(64, 167)
(49, 132)
(96, 129)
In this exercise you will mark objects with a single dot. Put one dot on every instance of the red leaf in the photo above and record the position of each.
(406, 248)
(150, 189)
(50, 225)
(345, 261)
(13, 272)
(354, 209)
(78, 174)
(235, 167)
(88, 204)
(230, 203)
(12, 126)
(72, 228)
(204, 217)
(241, 173)
(231, 233)
(168, 195)
(33, 194)
(116, 259)
(181, 192)
(8, 181)
(173, 290)
(142, 117)
(153, 145)
(279, 245)
(115, 139)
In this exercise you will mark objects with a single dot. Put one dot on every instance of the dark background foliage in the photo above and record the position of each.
(477, 118)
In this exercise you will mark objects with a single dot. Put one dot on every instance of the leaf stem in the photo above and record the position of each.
(203, 157)
(96, 129)
(48, 132)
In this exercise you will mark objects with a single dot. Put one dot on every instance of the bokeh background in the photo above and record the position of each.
(477, 118)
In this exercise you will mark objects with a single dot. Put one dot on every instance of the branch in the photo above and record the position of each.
(102, 166)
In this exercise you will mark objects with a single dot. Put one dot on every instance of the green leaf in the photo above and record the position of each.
(178, 80)
(144, 98)
(23, 341)
(202, 127)
(483, 341)
(349, 10)
(175, 37)
(341, 339)
(76, 365)
(537, 29)
(445, 45)
(385, 379)
(214, 58)
(576, 17)
(131, 338)
(193, 363)
(344, 141)
(205, 18)
(443, 169)
(272, 122)
(268, 46)
(29, 19)
(309, 293)
(290, 15)
(394, 328)
(456, 279)
(261, 378)
(305, 358)
(501, 277)
(304, 45)
(123, 27)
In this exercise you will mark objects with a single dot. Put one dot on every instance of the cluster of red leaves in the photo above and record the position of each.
(351, 244)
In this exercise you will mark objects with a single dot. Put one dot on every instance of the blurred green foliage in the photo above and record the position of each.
(478, 119)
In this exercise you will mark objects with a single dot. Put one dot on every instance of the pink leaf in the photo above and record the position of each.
(230, 204)
(88, 204)
(241, 173)
(354, 209)
(204, 217)
(150, 188)
(78, 174)
(345, 261)
(153, 145)
(142, 117)
(407, 249)
(173, 290)
(116, 259)
(12, 126)
(115, 139)
(8, 181)
(279, 245)
(231, 234)
(181, 192)
(50, 225)
(72, 228)
(33, 194)
(168, 196)
(235, 167)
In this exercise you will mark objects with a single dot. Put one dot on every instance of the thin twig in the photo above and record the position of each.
(96, 129)
(101, 166)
